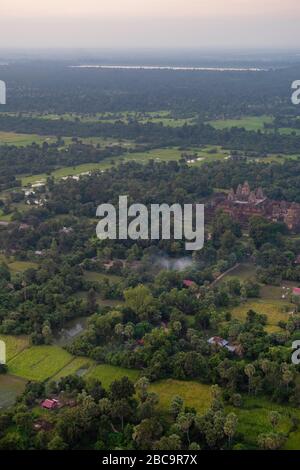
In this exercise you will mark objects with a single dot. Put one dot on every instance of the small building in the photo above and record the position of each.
(297, 260)
(188, 283)
(218, 341)
(223, 343)
(50, 404)
(296, 290)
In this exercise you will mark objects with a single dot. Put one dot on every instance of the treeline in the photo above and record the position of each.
(55, 87)
(35, 159)
(157, 134)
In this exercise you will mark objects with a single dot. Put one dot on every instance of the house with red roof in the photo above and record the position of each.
(188, 283)
(50, 404)
(296, 290)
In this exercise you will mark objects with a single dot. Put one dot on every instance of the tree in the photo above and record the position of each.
(57, 443)
(184, 422)
(176, 405)
(146, 432)
(172, 442)
(141, 387)
(274, 418)
(249, 371)
(230, 426)
(120, 389)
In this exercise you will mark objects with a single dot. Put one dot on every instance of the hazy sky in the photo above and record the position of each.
(149, 23)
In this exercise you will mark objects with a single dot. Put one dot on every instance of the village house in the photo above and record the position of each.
(223, 343)
(50, 404)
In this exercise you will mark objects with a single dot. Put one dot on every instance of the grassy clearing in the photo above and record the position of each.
(10, 388)
(254, 420)
(249, 123)
(21, 266)
(97, 277)
(243, 272)
(275, 310)
(194, 394)
(39, 362)
(107, 374)
(77, 366)
(199, 156)
(14, 345)
(13, 138)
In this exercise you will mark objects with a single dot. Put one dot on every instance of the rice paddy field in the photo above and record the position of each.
(39, 362)
(14, 345)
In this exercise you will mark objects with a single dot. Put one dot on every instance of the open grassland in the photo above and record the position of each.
(97, 277)
(158, 117)
(194, 394)
(107, 373)
(198, 156)
(20, 266)
(242, 272)
(78, 366)
(275, 310)
(13, 138)
(249, 123)
(17, 266)
(252, 123)
(254, 419)
(14, 345)
(10, 388)
(39, 362)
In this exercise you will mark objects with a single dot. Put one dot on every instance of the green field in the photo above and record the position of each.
(13, 138)
(14, 345)
(198, 157)
(243, 272)
(97, 277)
(249, 123)
(253, 419)
(39, 362)
(10, 388)
(194, 394)
(77, 366)
(107, 374)
(276, 310)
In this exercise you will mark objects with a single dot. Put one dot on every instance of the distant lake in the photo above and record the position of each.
(170, 67)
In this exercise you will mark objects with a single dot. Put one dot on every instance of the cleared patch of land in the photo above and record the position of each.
(13, 138)
(14, 345)
(78, 366)
(39, 362)
(194, 394)
(107, 374)
(249, 123)
(10, 388)
(254, 419)
(275, 310)
(97, 277)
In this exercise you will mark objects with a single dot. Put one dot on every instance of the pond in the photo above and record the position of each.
(72, 329)
(10, 388)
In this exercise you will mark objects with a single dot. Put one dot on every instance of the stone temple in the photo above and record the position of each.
(245, 203)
